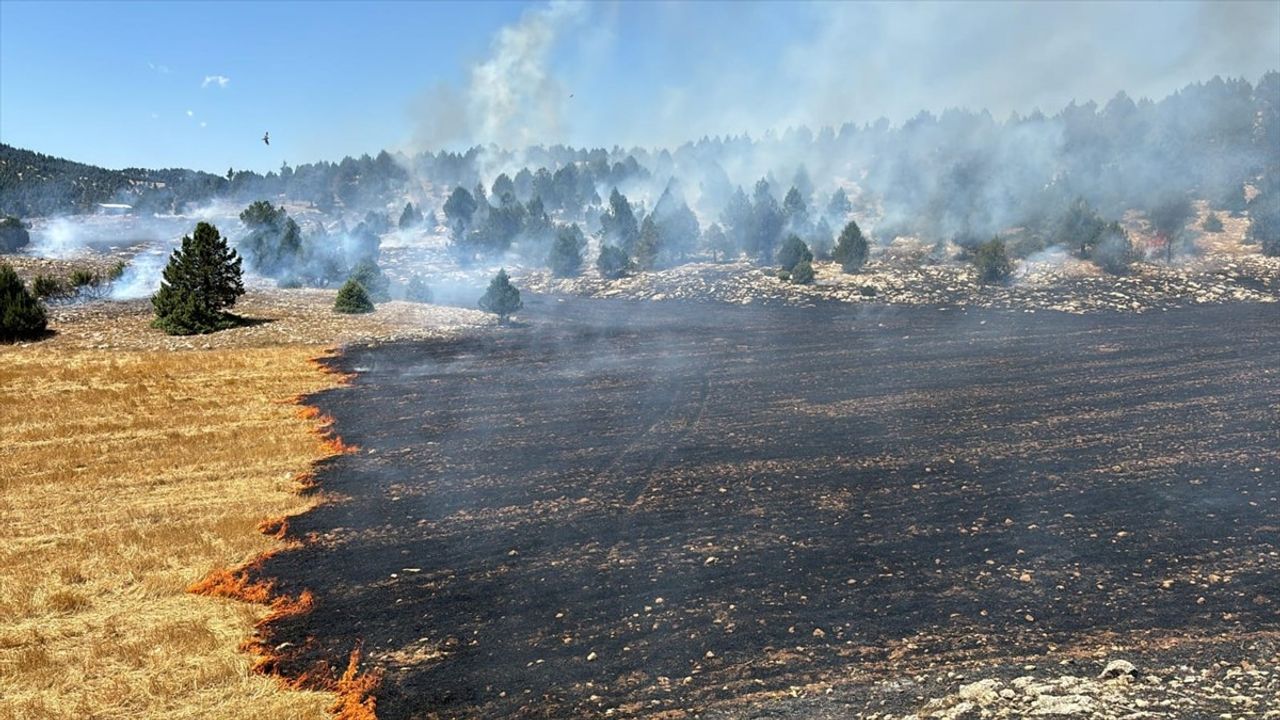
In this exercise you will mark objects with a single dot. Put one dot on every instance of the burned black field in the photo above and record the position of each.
(652, 507)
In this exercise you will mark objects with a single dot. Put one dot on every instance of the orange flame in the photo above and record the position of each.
(275, 527)
(355, 691)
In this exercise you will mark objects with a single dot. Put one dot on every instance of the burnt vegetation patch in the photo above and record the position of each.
(649, 508)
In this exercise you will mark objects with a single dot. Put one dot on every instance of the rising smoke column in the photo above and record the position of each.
(512, 99)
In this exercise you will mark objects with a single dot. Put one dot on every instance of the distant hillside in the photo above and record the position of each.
(32, 184)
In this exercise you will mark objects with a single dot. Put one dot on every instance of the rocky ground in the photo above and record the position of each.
(1189, 680)
(677, 510)
(272, 317)
(1068, 286)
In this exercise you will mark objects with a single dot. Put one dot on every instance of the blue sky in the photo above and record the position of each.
(196, 84)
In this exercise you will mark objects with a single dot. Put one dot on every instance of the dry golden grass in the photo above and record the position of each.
(124, 478)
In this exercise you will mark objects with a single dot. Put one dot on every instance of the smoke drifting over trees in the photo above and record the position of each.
(953, 177)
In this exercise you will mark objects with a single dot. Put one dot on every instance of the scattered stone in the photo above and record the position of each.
(1118, 668)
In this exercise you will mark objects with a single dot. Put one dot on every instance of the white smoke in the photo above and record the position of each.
(513, 99)
(142, 276)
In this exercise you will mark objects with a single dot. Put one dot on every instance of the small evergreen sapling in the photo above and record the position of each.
(851, 249)
(501, 298)
(352, 299)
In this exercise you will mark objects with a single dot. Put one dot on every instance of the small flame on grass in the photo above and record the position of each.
(274, 527)
(355, 690)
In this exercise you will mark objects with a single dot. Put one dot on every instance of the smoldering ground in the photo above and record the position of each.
(651, 507)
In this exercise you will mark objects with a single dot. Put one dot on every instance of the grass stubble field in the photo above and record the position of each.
(131, 478)
(125, 478)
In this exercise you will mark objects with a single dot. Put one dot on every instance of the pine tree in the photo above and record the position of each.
(613, 262)
(410, 217)
(650, 244)
(352, 299)
(717, 243)
(565, 259)
(13, 234)
(802, 273)
(22, 317)
(766, 223)
(794, 207)
(736, 217)
(820, 241)
(619, 223)
(793, 252)
(459, 210)
(851, 249)
(501, 298)
(839, 205)
(274, 243)
(202, 278)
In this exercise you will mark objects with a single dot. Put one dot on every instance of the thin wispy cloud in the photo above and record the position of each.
(219, 80)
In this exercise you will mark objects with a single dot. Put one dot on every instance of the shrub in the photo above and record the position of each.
(1114, 252)
(992, 262)
(613, 262)
(851, 249)
(802, 273)
(352, 299)
(1211, 224)
(793, 252)
(13, 234)
(417, 290)
(81, 277)
(22, 317)
(867, 291)
(48, 286)
(203, 278)
(502, 298)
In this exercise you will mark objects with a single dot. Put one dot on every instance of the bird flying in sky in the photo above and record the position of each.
(266, 138)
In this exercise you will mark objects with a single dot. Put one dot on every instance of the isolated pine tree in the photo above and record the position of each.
(851, 249)
(22, 316)
(502, 298)
(352, 299)
(203, 278)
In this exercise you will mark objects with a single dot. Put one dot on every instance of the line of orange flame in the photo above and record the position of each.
(354, 689)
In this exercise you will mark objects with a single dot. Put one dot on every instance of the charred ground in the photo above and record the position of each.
(665, 506)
